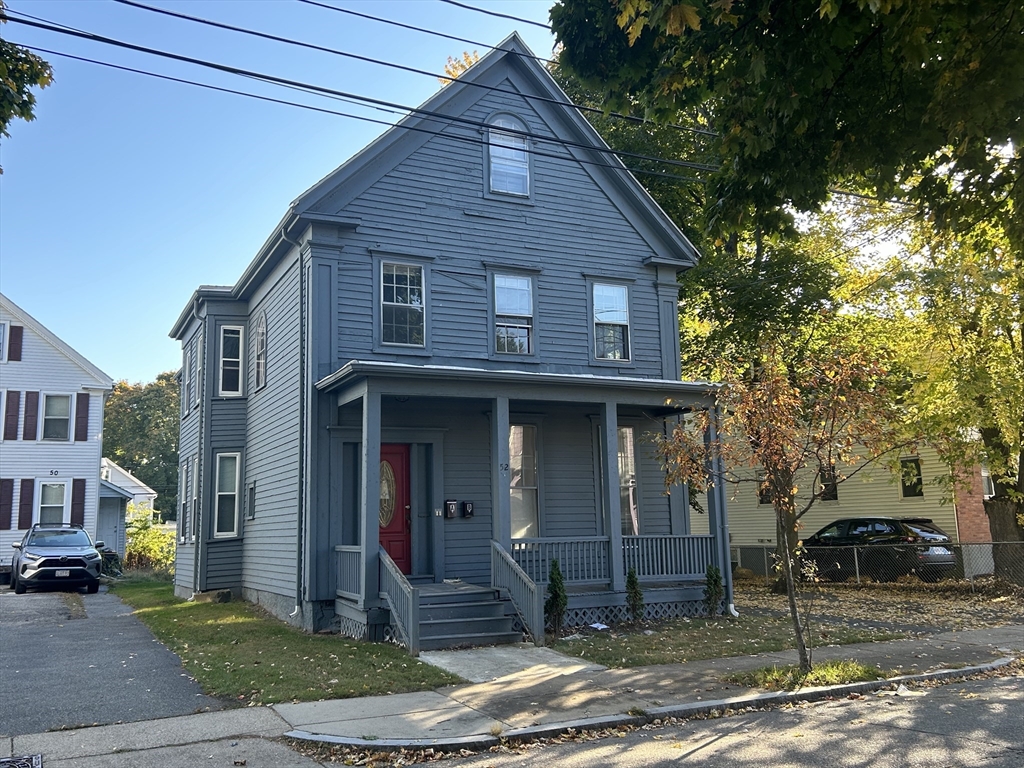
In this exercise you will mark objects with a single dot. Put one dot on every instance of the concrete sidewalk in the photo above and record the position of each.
(516, 692)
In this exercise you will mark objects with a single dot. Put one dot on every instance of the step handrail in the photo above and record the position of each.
(404, 601)
(523, 591)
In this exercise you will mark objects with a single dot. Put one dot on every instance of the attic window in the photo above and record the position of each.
(508, 159)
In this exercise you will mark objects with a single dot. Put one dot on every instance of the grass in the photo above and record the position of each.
(684, 640)
(789, 678)
(237, 652)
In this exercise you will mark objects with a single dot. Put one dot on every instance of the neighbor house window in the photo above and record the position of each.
(261, 351)
(629, 508)
(764, 490)
(402, 320)
(513, 314)
(988, 487)
(911, 483)
(508, 159)
(829, 482)
(56, 417)
(227, 495)
(611, 322)
(51, 503)
(523, 486)
(3, 342)
(230, 361)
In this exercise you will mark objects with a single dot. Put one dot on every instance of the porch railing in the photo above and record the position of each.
(348, 562)
(404, 601)
(667, 557)
(582, 560)
(527, 597)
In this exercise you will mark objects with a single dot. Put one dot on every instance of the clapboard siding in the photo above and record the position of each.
(870, 492)
(569, 500)
(272, 438)
(655, 514)
(223, 564)
(184, 561)
(467, 475)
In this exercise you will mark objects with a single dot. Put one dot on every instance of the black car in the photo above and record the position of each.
(882, 548)
(56, 556)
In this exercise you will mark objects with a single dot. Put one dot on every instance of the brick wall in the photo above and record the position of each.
(972, 521)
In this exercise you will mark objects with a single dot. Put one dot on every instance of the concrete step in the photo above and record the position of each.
(463, 610)
(471, 626)
(468, 640)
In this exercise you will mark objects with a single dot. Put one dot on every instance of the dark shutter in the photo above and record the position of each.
(11, 415)
(82, 417)
(78, 502)
(14, 343)
(6, 503)
(28, 488)
(31, 429)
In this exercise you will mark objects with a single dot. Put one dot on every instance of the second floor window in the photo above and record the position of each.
(230, 361)
(402, 320)
(56, 417)
(611, 322)
(513, 314)
(509, 162)
(261, 351)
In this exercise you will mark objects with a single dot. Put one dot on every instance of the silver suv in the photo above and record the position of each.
(58, 556)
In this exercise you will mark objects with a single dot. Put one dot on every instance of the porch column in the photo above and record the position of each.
(610, 467)
(369, 499)
(501, 506)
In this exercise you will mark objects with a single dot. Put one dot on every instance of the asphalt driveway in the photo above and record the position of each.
(62, 667)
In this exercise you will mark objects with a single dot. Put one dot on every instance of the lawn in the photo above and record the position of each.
(237, 652)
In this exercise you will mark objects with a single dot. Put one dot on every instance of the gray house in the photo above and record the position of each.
(436, 377)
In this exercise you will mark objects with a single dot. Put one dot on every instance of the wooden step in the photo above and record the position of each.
(484, 625)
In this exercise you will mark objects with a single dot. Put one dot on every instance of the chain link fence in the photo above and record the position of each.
(888, 562)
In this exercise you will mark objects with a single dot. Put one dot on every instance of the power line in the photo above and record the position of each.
(362, 118)
(495, 13)
(381, 62)
(364, 99)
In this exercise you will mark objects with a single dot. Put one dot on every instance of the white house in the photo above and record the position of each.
(51, 401)
(118, 488)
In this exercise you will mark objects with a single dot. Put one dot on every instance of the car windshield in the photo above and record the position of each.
(61, 537)
(926, 531)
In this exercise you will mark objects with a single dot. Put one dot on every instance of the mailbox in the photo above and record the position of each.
(467, 509)
(451, 508)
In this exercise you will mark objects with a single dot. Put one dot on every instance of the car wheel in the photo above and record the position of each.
(92, 587)
(17, 586)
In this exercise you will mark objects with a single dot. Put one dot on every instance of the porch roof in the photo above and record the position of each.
(469, 382)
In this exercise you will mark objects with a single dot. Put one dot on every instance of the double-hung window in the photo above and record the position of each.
(508, 158)
(524, 489)
(402, 304)
(56, 417)
(230, 361)
(51, 503)
(911, 482)
(184, 500)
(260, 363)
(226, 515)
(629, 507)
(513, 314)
(611, 322)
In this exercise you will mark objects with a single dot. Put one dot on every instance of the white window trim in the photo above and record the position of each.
(184, 502)
(494, 314)
(423, 308)
(194, 506)
(593, 283)
(37, 512)
(217, 494)
(3, 341)
(260, 353)
(520, 125)
(220, 362)
(197, 381)
(41, 418)
(186, 379)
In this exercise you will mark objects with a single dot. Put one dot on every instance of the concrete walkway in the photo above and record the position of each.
(516, 692)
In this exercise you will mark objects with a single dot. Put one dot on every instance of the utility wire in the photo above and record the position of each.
(495, 13)
(362, 118)
(365, 99)
(380, 62)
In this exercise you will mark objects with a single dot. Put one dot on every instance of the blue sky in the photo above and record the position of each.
(127, 192)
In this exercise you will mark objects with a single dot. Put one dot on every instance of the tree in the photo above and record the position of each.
(20, 71)
(140, 433)
(914, 98)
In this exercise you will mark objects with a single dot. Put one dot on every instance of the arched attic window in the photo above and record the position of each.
(508, 160)
(260, 358)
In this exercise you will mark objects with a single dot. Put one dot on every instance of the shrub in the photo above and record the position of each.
(147, 547)
(634, 595)
(712, 591)
(557, 600)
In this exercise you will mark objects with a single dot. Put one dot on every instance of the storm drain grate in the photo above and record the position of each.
(26, 761)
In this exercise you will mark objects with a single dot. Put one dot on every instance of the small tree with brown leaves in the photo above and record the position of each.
(826, 399)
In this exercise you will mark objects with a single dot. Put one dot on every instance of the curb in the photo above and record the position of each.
(529, 733)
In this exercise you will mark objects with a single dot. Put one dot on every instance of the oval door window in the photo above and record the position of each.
(387, 494)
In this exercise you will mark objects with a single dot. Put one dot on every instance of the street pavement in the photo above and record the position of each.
(60, 668)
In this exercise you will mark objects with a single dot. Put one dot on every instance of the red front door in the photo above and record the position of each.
(395, 533)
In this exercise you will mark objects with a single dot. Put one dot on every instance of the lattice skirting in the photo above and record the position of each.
(353, 628)
(393, 636)
(618, 614)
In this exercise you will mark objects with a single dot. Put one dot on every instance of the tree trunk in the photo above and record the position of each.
(787, 545)
(1008, 549)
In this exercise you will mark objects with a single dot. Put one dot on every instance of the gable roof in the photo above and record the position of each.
(100, 379)
(356, 174)
(123, 479)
